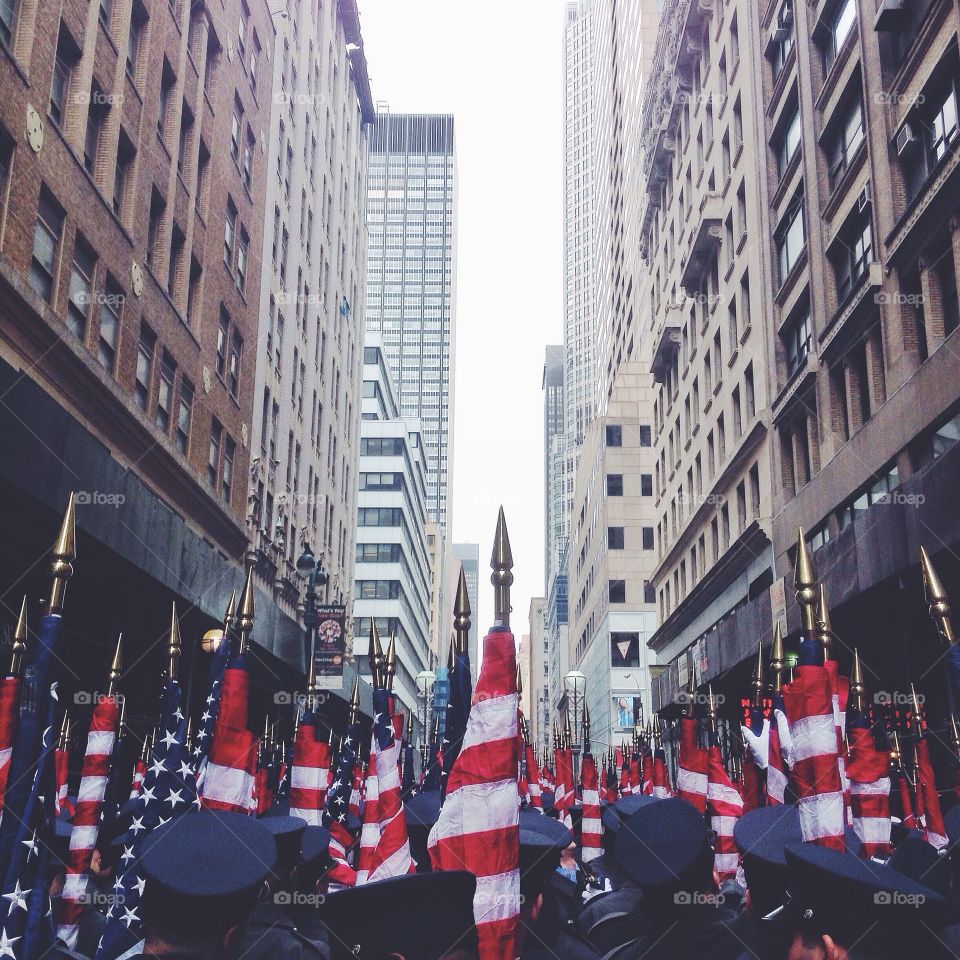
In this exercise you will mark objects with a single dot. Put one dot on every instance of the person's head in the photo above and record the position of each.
(542, 842)
(762, 836)
(203, 874)
(315, 861)
(286, 832)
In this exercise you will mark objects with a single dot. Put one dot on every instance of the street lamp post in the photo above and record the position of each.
(575, 684)
(315, 576)
(425, 680)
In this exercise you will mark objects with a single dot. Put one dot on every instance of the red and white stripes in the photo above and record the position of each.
(478, 825)
(869, 792)
(590, 830)
(725, 805)
(309, 775)
(9, 700)
(101, 739)
(661, 779)
(934, 830)
(691, 766)
(139, 772)
(533, 779)
(228, 780)
(776, 759)
(808, 703)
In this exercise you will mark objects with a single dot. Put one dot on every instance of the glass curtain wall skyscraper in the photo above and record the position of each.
(411, 302)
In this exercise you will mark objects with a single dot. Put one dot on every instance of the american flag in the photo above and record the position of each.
(839, 693)
(478, 825)
(724, 805)
(311, 769)
(808, 703)
(9, 700)
(384, 842)
(101, 739)
(661, 779)
(408, 780)
(590, 830)
(26, 930)
(691, 766)
(779, 751)
(934, 830)
(169, 791)
(208, 719)
(533, 779)
(357, 789)
(61, 766)
(337, 810)
(646, 776)
(139, 771)
(228, 780)
(458, 713)
(869, 789)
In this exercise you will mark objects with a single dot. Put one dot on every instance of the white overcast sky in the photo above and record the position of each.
(497, 67)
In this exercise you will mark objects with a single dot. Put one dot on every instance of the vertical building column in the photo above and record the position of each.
(853, 386)
(813, 443)
(798, 442)
(932, 305)
(876, 380)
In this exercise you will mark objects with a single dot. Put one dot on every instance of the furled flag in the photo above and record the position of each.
(139, 771)
(808, 703)
(691, 766)
(384, 842)
(646, 775)
(779, 745)
(907, 815)
(358, 788)
(228, 780)
(839, 692)
(869, 788)
(9, 700)
(934, 830)
(101, 739)
(661, 779)
(311, 768)
(559, 788)
(211, 709)
(635, 786)
(591, 831)
(725, 805)
(478, 825)
(61, 766)
(569, 789)
(458, 712)
(533, 779)
(169, 791)
(337, 811)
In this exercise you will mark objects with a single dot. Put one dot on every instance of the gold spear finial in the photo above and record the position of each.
(61, 557)
(501, 562)
(896, 757)
(824, 627)
(230, 615)
(954, 735)
(916, 711)
(777, 660)
(64, 732)
(461, 615)
(409, 736)
(567, 732)
(145, 747)
(173, 645)
(937, 598)
(657, 733)
(436, 728)
(585, 722)
(391, 660)
(519, 681)
(805, 582)
(375, 655)
(19, 642)
(759, 680)
(355, 700)
(116, 668)
(188, 734)
(711, 709)
(312, 669)
(857, 689)
(244, 619)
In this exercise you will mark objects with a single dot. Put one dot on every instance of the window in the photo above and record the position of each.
(8, 16)
(624, 651)
(788, 141)
(614, 484)
(248, 148)
(223, 338)
(213, 455)
(184, 416)
(226, 479)
(853, 252)
(614, 435)
(646, 438)
(157, 207)
(134, 39)
(840, 25)
(81, 287)
(242, 29)
(646, 484)
(91, 136)
(47, 233)
(242, 244)
(125, 154)
(931, 131)
(790, 238)
(145, 350)
(60, 83)
(647, 538)
(229, 234)
(615, 538)
(168, 372)
(843, 143)
(111, 302)
(236, 354)
(254, 64)
(779, 53)
(236, 128)
(617, 591)
(106, 10)
(167, 81)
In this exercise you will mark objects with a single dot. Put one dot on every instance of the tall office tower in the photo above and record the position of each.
(411, 288)
(393, 574)
(579, 309)
(538, 719)
(624, 33)
(467, 556)
(303, 477)
(130, 233)
(554, 513)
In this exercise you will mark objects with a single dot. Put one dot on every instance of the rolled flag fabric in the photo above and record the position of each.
(869, 790)
(560, 788)
(61, 764)
(661, 780)
(839, 693)
(310, 773)
(263, 796)
(101, 739)
(646, 776)
(591, 832)
(139, 769)
(691, 766)
(9, 701)
(636, 784)
(907, 815)
(625, 778)
(751, 789)
(533, 779)
(724, 805)
(357, 790)
(934, 830)
(336, 812)
(228, 781)
(776, 761)
(569, 790)
(478, 825)
(808, 702)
